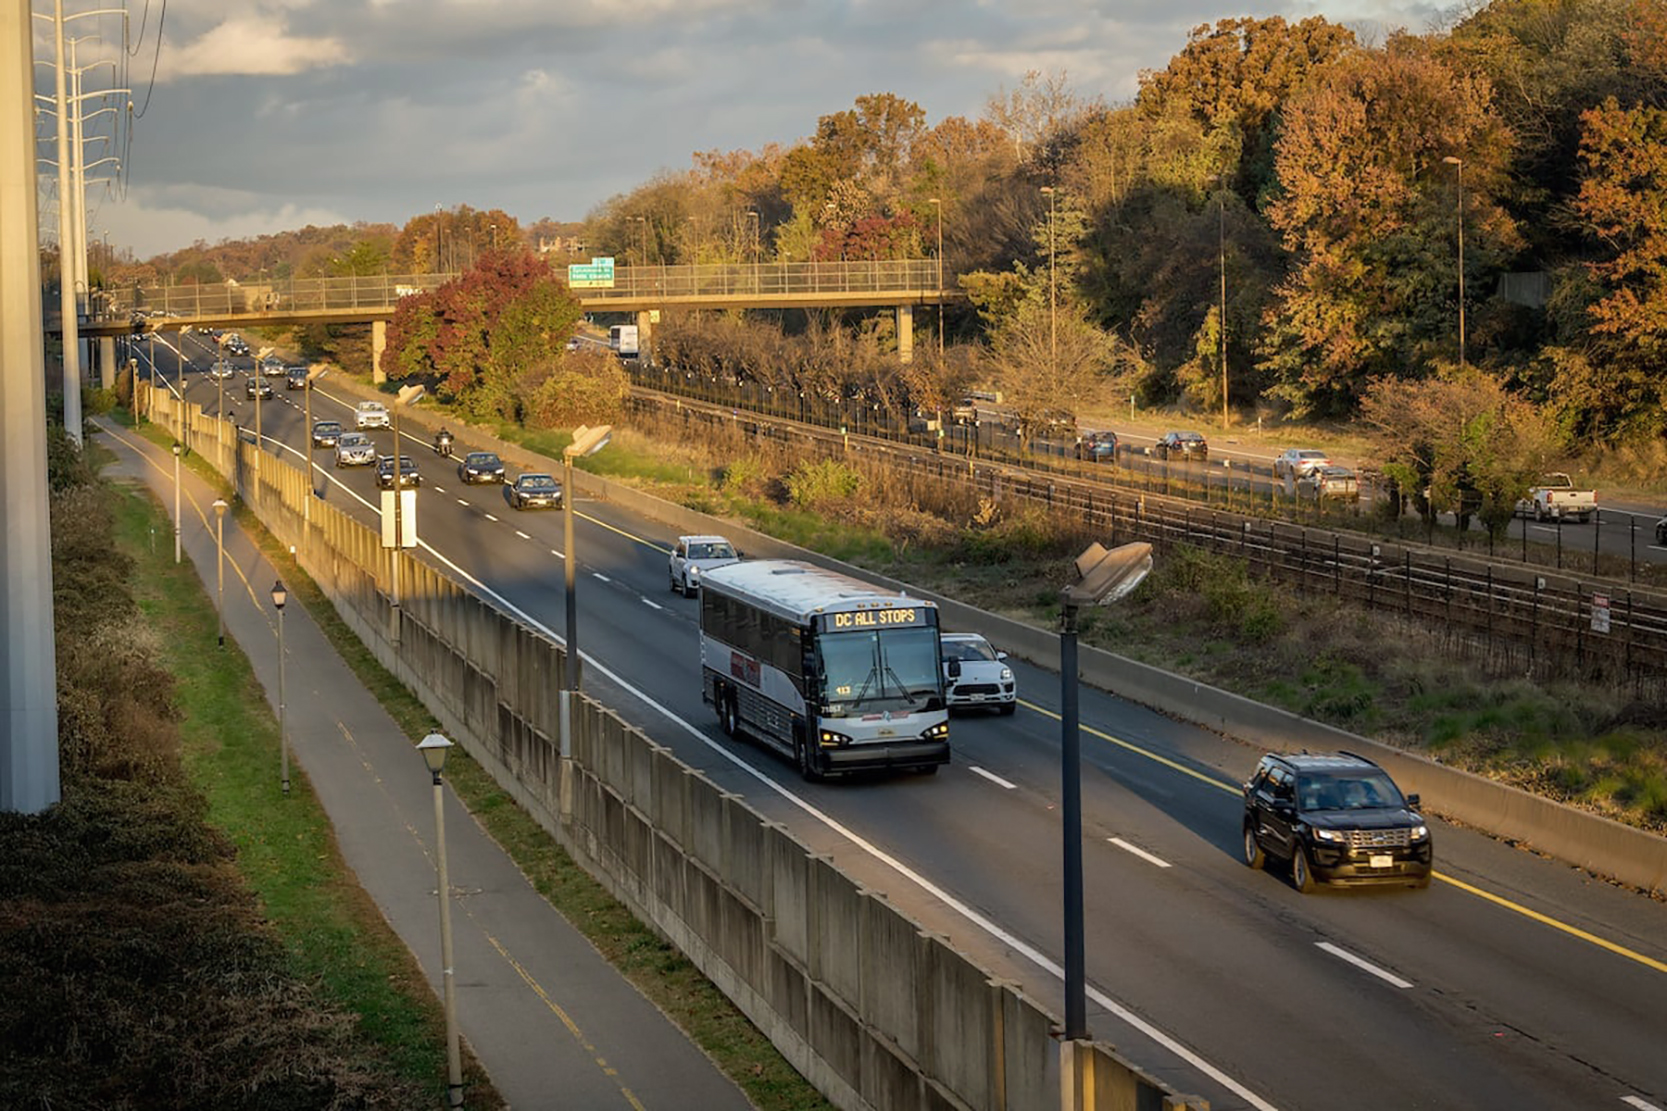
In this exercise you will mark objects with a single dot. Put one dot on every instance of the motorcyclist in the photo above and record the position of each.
(442, 441)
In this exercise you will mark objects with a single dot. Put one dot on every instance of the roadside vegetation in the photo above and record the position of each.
(171, 936)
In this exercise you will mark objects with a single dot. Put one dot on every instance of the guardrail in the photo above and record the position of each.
(1516, 617)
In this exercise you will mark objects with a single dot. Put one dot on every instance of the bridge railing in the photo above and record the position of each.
(382, 291)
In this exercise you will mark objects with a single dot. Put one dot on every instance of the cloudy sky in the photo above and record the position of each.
(267, 115)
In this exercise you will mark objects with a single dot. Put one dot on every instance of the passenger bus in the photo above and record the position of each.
(836, 673)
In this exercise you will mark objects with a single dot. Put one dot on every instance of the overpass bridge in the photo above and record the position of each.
(898, 284)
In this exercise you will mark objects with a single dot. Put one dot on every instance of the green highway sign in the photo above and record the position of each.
(598, 273)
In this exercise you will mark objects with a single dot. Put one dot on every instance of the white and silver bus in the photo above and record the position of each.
(836, 673)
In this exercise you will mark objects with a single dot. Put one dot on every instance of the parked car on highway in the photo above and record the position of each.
(480, 466)
(370, 414)
(326, 433)
(1329, 483)
(976, 674)
(532, 490)
(1187, 445)
(258, 387)
(408, 475)
(1337, 818)
(355, 449)
(295, 378)
(693, 556)
(1297, 461)
(1097, 447)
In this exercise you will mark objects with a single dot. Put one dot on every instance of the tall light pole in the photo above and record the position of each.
(1053, 287)
(586, 441)
(1102, 577)
(434, 748)
(1221, 324)
(752, 214)
(177, 451)
(1454, 160)
(938, 208)
(279, 597)
(220, 508)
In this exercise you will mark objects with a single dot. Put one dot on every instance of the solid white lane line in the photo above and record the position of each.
(1140, 852)
(656, 605)
(522, 535)
(1641, 1104)
(1360, 962)
(600, 575)
(489, 517)
(992, 777)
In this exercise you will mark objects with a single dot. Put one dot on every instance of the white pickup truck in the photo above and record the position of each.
(1556, 498)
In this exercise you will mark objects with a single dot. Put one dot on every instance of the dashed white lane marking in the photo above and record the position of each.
(601, 576)
(1140, 852)
(1641, 1104)
(557, 554)
(460, 501)
(522, 535)
(489, 517)
(656, 605)
(993, 778)
(1360, 962)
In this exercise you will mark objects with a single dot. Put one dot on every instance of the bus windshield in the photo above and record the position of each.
(893, 669)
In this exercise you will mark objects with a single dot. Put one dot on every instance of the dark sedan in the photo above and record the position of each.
(295, 378)
(258, 387)
(1097, 447)
(408, 475)
(326, 433)
(1185, 445)
(534, 491)
(480, 466)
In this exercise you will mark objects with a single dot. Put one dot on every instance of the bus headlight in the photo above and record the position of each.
(938, 732)
(830, 739)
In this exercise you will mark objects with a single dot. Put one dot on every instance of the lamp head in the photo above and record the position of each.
(220, 507)
(177, 450)
(434, 749)
(1453, 160)
(279, 594)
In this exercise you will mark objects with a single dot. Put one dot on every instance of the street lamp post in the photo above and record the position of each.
(434, 748)
(1053, 296)
(1102, 577)
(586, 441)
(177, 450)
(752, 214)
(1458, 163)
(279, 597)
(220, 508)
(1221, 324)
(937, 208)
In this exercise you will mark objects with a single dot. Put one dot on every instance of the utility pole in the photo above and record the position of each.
(71, 333)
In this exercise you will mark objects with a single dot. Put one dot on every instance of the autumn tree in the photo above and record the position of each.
(487, 339)
(1367, 209)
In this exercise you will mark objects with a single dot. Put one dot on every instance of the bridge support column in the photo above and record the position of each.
(905, 333)
(378, 344)
(645, 332)
(107, 361)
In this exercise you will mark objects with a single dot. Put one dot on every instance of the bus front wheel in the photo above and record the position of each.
(807, 769)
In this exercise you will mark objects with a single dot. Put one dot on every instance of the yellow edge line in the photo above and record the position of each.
(1497, 900)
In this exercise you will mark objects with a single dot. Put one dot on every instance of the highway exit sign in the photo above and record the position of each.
(598, 273)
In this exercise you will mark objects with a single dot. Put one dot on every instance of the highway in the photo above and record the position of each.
(1512, 982)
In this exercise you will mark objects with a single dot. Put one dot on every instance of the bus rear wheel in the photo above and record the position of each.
(726, 712)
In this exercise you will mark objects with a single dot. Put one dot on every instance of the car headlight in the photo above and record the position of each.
(1420, 832)
(938, 732)
(1328, 835)
(694, 571)
(830, 739)
(1006, 675)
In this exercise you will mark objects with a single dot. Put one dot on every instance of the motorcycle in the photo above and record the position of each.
(442, 443)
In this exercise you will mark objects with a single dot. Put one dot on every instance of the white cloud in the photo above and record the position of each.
(163, 224)
(251, 46)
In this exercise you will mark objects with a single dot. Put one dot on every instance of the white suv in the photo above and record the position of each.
(694, 556)
(370, 414)
(976, 674)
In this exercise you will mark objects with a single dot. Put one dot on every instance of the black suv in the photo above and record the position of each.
(1337, 818)
(1187, 445)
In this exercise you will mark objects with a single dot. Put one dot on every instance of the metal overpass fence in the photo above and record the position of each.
(879, 1012)
(1517, 618)
(893, 279)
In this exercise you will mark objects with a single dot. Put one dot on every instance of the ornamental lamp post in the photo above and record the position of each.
(586, 441)
(220, 508)
(434, 749)
(279, 597)
(178, 450)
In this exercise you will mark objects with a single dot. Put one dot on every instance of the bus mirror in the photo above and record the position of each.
(953, 667)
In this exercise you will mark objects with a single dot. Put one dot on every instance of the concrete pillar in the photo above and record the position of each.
(107, 361)
(905, 333)
(28, 669)
(645, 333)
(378, 344)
